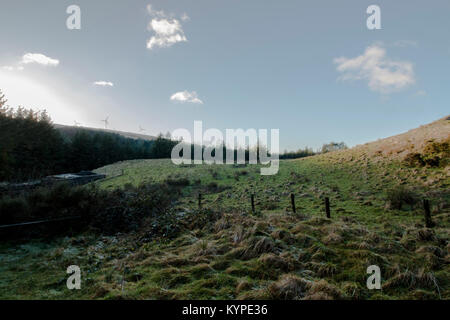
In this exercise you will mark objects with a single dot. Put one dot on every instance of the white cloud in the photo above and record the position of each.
(104, 83)
(39, 58)
(167, 29)
(383, 75)
(186, 96)
(28, 58)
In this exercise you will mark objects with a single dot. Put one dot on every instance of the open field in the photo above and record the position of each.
(225, 251)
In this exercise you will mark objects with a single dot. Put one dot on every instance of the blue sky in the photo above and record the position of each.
(311, 69)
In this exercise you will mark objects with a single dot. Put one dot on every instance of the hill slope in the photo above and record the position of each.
(223, 250)
(399, 146)
(70, 131)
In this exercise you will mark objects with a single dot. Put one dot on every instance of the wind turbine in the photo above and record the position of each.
(106, 122)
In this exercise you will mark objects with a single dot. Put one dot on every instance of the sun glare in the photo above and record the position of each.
(22, 90)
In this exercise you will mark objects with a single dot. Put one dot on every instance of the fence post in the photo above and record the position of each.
(199, 200)
(426, 207)
(293, 202)
(327, 207)
(253, 202)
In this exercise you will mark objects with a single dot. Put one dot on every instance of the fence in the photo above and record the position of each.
(426, 206)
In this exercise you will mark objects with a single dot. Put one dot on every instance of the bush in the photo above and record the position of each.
(180, 182)
(212, 186)
(435, 154)
(60, 200)
(398, 196)
(125, 210)
(10, 208)
(121, 210)
(414, 160)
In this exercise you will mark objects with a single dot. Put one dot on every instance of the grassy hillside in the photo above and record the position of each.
(70, 131)
(399, 146)
(224, 250)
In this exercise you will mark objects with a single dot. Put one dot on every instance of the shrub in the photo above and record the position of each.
(437, 154)
(414, 159)
(121, 210)
(180, 182)
(125, 210)
(399, 196)
(11, 207)
(213, 186)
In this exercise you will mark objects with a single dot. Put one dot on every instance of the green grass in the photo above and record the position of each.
(226, 252)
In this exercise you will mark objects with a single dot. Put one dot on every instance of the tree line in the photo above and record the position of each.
(31, 147)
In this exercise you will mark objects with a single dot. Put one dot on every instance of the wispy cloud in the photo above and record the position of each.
(185, 17)
(39, 58)
(167, 29)
(104, 83)
(382, 74)
(13, 68)
(186, 96)
(32, 58)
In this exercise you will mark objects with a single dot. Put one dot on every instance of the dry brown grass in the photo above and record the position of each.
(333, 238)
(257, 246)
(289, 287)
(322, 290)
(398, 146)
(412, 280)
(271, 261)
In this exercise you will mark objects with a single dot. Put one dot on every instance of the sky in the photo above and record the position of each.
(311, 69)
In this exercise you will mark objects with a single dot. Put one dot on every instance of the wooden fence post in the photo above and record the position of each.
(253, 202)
(327, 207)
(427, 214)
(293, 202)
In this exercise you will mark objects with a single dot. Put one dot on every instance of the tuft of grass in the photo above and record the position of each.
(257, 246)
(289, 287)
(412, 280)
(322, 290)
